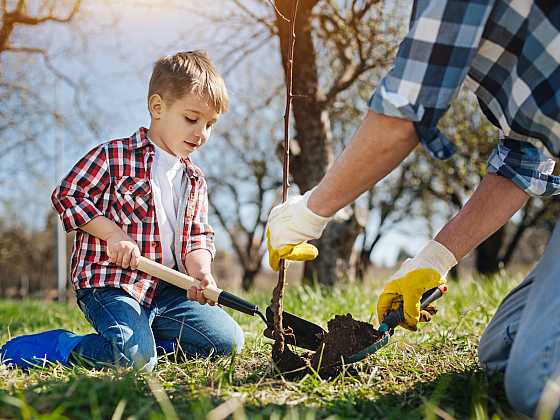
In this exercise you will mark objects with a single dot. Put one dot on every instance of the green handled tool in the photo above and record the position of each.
(393, 319)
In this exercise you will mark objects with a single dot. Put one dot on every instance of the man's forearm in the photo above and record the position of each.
(379, 145)
(493, 203)
(101, 227)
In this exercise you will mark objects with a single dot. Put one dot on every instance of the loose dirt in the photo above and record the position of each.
(346, 336)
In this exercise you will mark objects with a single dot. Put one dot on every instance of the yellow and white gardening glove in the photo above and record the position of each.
(290, 224)
(415, 277)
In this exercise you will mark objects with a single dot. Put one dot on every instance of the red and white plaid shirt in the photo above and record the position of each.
(113, 180)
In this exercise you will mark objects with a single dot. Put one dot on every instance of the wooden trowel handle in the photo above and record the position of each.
(174, 277)
(184, 281)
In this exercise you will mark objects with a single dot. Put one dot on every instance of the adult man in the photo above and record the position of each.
(511, 52)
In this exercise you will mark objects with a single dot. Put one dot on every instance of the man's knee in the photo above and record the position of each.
(494, 349)
(519, 391)
(525, 380)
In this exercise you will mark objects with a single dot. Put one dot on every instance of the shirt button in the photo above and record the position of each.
(130, 188)
(154, 244)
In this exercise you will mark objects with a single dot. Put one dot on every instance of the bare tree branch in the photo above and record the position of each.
(19, 16)
(278, 292)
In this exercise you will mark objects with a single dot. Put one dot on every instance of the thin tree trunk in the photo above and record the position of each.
(333, 262)
(314, 136)
(248, 279)
(487, 253)
(362, 265)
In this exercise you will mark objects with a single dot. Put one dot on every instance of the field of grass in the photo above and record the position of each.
(430, 374)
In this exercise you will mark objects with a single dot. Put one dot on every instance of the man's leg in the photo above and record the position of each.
(496, 341)
(124, 334)
(201, 330)
(524, 336)
(535, 354)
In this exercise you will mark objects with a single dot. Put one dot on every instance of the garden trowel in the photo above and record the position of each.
(299, 332)
(392, 320)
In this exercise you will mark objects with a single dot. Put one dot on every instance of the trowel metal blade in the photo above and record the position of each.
(299, 332)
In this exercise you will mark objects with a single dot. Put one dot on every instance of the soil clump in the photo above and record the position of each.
(346, 336)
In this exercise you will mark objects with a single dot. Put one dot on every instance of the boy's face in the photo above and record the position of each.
(182, 127)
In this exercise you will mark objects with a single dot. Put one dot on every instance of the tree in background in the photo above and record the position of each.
(39, 13)
(32, 56)
(446, 186)
(243, 184)
(28, 259)
(338, 44)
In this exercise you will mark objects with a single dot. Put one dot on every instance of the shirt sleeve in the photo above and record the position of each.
(77, 197)
(526, 165)
(431, 64)
(202, 234)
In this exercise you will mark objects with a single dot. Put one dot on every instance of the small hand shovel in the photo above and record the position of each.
(301, 333)
(393, 319)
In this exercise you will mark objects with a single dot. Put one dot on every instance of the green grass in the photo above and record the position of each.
(430, 374)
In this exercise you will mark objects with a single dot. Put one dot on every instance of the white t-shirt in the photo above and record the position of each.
(166, 177)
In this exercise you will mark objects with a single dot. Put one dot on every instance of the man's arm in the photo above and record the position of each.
(493, 203)
(380, 144)
(372, 155)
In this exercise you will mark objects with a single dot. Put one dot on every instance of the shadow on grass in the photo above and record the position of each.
(120, 395)
(462, 395)
(452, 395)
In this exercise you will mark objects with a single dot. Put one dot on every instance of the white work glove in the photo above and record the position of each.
(290, 224)
(415, 277)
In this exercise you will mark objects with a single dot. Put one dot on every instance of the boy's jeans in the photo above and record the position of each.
(128, 331)
(523, 338)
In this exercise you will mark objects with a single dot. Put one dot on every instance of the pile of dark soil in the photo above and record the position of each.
(346, 336)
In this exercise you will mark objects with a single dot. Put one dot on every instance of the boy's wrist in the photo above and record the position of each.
(105, 229)
(116, 235)
(201, 274)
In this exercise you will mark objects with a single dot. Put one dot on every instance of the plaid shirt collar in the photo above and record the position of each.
(141, 139)
(112, 180)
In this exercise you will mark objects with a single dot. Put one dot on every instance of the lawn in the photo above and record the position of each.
(430, 374)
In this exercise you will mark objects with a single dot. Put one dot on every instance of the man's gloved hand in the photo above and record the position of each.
(415, 277)
(290, 224)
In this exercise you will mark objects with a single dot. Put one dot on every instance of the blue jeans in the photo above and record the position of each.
(523, 338)
(127, 332)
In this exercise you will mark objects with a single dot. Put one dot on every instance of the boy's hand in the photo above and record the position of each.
(195, 293)
(122, 250)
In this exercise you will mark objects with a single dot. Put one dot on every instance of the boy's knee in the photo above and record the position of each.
(228, 342)
(136, 352)
(140, 357)
(223, 342)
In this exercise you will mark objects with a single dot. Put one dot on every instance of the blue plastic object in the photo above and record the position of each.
(36, 350)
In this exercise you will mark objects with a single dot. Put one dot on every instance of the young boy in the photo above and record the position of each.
(135, 196)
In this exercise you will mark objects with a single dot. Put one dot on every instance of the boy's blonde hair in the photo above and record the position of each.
(189, 72)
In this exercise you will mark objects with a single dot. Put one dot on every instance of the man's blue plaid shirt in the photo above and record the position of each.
(511, 52)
